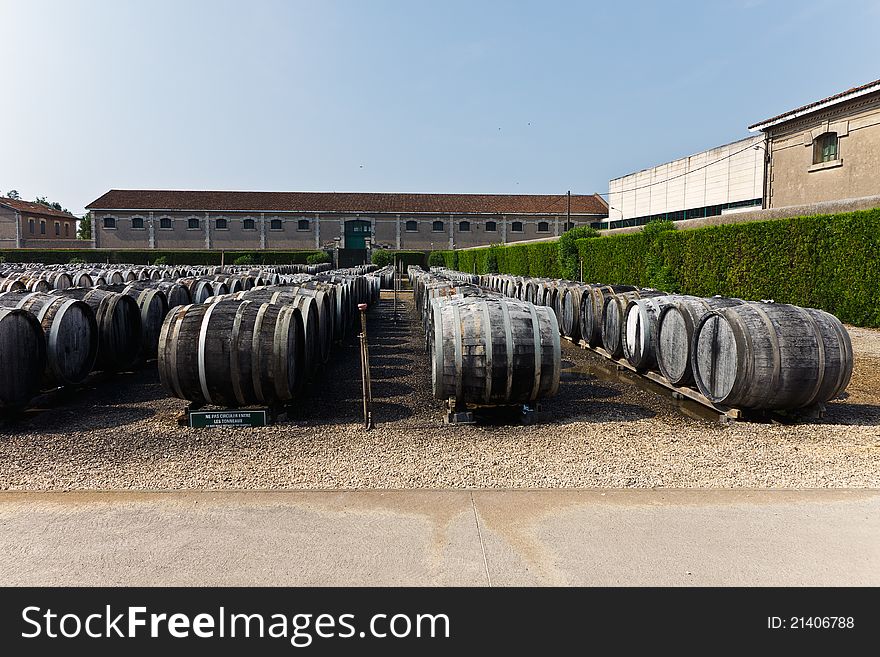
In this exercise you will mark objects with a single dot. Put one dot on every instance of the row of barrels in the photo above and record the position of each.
(261, 345)
(752, 355)
(484, 348)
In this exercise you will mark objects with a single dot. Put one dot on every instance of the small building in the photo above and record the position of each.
(24, 224)
(145, 219)
(718, 181)
(827, 150)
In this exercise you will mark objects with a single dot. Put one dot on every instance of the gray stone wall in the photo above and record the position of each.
(388, 230)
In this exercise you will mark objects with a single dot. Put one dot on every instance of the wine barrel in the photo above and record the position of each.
(232, 353)
(70, 330)
(59, 280)
(592, 305)
(81, 279)
(175, 293)
(640, 331)
(675, 332)
(119, 326)
(771, 356)
(153, 306)
(325, 301)
(308, 309)
(199, 289)
(34, 284)
(572, 298)
(23, 355)
(12, 284)
(493, 351)
(613, 318)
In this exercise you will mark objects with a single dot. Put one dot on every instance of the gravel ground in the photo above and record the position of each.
(602, 430)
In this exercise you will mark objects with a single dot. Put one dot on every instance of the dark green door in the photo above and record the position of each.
(355, 232)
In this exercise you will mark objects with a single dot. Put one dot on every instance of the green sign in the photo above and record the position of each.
(202, 419)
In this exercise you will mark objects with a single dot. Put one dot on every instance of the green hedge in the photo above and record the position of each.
(135, 257)
(829, 261)
(540, 259)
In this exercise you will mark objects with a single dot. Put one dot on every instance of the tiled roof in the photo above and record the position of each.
(141, 199)
(34, 208)
(825, 101)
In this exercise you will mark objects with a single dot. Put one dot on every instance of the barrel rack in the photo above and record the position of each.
(725, 413)
(457, 412)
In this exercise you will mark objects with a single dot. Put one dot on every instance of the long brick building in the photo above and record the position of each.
(151, 219)
(25, 224)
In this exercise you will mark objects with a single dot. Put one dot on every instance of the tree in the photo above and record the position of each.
(84, 231)
(13, 193)
(382, 258)
(54, 205)
(569, 258)
(317, 258)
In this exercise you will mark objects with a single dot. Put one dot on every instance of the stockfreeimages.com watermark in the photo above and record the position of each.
(300, 629)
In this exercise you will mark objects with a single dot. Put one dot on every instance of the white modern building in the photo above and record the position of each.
(725, 179)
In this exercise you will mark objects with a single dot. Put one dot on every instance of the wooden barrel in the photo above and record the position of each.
(153, 306)
(35, 284)
(613, 318)
(308, 309)
(120, 334)
(572, 298)
(81, 279)
(23, 356)
(488, 350)
(771, 356)
(12, 284)
(58, 280)
(641, 319)
(175, 293)
(70, 330)
(199, 289)
(325, 301)
(232, 353)
(592, 305)
(675, 333)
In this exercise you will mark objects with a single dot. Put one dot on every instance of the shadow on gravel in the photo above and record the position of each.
(385, 389)
(866, 415)
(62, 420)
(386, 342)
(390, 359)
(382, 373)
(389, 412)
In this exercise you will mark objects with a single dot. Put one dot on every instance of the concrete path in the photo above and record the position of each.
(502, 538)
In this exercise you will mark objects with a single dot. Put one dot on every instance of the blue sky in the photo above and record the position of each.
(496, 97)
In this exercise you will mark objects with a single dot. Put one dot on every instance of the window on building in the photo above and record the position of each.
(543, 227)
(165, 222)
(825, 148)
(31, 226)
(464, 226)
(109, 222)
(43, 226)
(137, 223)
(248, 224)
(516, 227)
(412, 226)
(192, 223)
(569, 225)
(275, 224)
(221, 224)
(491, 226)
(66, 230)
(302, 224)
(437, 227)
(58, 228)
